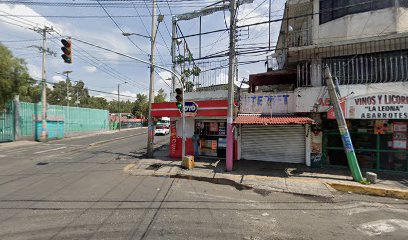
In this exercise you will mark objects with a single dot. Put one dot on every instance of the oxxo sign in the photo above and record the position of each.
(190, 109)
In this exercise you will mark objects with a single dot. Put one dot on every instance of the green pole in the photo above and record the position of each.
(344, 132)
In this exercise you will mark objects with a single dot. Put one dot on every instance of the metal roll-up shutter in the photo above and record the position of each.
(273, 143)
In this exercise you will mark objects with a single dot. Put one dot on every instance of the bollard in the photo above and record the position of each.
(371, 177)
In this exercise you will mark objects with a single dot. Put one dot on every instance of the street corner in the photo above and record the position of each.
(370, 190)
(128, 168)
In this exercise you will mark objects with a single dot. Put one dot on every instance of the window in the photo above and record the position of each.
(333, 9)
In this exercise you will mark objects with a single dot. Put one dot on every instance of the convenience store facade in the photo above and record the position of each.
(209, 122)
(377, 118)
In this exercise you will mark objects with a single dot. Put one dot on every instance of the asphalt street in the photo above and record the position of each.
(77, 189)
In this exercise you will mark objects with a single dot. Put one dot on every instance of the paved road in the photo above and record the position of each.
(70, 190)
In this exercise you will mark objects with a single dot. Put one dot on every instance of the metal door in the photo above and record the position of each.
(274, 143)
(7, 124)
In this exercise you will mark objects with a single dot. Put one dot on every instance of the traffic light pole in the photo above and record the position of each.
(146, 62)
(150, 127)
(344, 132)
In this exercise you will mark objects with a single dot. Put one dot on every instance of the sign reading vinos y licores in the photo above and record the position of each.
(378, 106)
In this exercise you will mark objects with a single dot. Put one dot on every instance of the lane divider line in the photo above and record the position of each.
(114, 139)
(49, 150)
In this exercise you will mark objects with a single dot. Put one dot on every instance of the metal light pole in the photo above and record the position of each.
(231, 72)
(66, 73)
(120, 114)
(136, 59)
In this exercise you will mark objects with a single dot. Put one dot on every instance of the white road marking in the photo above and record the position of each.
(2, 156)
(379, 227)
(49, 150)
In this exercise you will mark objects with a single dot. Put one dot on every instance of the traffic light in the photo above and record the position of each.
(179, 98)
(67, 50)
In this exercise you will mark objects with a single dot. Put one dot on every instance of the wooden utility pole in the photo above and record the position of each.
(344, 132)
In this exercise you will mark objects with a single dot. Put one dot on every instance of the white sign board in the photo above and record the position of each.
(267, 103)
(316, 99)
(378, 106)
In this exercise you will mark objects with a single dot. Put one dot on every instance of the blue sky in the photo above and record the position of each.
(102, 70)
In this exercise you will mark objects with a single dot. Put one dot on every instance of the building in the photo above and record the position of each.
(365, 46)
(209, 121)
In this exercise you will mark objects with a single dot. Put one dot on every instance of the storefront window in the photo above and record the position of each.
(378, 144)
(212, 137)
(396, 161)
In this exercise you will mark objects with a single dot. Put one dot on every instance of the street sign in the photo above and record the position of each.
(190, 109)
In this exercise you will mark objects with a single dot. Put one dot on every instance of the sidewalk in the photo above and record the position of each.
(266, 177)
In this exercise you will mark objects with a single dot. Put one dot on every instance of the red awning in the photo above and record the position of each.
(275, 120)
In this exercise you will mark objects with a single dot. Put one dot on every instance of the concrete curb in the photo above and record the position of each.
(370, 190)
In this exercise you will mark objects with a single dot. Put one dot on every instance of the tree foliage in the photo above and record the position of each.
(13, 76)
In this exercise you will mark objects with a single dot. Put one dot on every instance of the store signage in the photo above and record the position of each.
(173, 138)
(267, 103)
(190, 109)
(378, 106)
(317, 99)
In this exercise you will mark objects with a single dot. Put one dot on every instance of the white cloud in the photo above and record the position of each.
(57, 78)
(38, 21)
(34, 71)
(90, 69)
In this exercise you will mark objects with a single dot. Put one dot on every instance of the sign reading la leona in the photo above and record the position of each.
(378, 106)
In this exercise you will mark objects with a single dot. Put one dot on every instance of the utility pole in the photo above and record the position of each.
(150, 128)
(173, 52)
(44, 131)
(344, 132)
(67, 83)
(231, 72)
(119, 113)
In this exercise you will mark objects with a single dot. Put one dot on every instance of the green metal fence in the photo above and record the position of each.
(27, 113)
(75, 119)
(7, 123)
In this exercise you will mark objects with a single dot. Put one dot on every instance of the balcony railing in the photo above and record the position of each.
(300, 38)
(358, 69)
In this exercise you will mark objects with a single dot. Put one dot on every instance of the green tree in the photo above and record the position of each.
(160, 97)
(141, 105)
(13, 75)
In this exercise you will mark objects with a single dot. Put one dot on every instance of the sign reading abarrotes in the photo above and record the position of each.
(190, 109)
(378, 106)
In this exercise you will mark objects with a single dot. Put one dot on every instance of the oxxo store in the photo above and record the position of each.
(378, 123)
(209, 121)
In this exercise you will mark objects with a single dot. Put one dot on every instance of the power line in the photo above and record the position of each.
(89, 89)
(117, 25)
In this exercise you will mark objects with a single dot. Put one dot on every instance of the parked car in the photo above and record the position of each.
(161, 130)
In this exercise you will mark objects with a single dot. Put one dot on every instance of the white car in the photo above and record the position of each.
(161, 130)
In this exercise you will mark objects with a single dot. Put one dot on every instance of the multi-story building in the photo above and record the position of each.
(364, 43)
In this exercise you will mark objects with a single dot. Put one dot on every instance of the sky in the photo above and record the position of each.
(101, 70)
